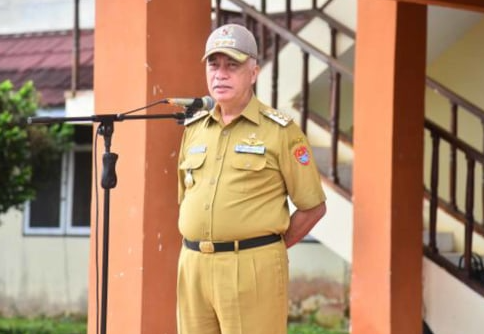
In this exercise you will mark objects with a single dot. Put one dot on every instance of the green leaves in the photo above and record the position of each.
(27, 150)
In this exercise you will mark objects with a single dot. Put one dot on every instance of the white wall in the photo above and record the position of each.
(335, 230)
(41, 275)
(445, 298)
(18, 16)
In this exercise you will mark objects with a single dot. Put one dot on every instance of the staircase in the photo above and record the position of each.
(308, 60)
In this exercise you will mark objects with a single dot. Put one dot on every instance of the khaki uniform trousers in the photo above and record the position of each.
(242, 292)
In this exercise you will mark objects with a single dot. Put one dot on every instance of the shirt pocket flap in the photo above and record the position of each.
(193, 162)
(251, 162)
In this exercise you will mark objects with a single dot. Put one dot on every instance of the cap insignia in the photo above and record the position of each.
(225, 38)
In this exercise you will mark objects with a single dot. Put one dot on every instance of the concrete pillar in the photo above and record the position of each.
(144, 51)
(386, 290)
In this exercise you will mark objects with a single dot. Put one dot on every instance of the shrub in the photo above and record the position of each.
(26, 150)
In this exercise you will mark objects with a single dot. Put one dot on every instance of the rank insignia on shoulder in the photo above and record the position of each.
(197, 116)
(277, 116)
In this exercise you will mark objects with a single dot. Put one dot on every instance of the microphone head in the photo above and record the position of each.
(208, 102)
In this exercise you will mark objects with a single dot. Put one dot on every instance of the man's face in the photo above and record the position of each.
(229, 81)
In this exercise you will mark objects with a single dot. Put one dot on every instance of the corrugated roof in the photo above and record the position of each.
(46, 59)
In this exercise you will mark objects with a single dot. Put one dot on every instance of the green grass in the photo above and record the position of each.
(78, 326)
(311, 329)
(42, 326)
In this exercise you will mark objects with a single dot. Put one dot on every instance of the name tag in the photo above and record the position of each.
(197, 149)
(250, 149)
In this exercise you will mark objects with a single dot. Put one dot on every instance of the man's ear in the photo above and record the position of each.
(255, 73)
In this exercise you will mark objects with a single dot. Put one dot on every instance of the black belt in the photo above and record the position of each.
(213, 247)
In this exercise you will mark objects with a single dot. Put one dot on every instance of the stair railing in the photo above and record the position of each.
(473, 157)
(456, 103)
(260, 23)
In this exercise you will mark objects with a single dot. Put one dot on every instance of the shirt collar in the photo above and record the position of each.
(250, 112)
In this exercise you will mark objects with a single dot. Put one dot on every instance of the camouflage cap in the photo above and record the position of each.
(234, 40)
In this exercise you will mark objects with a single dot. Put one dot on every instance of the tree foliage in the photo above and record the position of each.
(27, 150)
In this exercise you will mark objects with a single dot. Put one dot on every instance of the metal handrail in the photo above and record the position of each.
(454, 98)
(293, 38)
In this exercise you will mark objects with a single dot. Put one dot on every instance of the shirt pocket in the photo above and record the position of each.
(249, 162)
(193, 164)
(248, 172)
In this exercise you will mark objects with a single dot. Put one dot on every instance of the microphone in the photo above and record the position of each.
(197, 103)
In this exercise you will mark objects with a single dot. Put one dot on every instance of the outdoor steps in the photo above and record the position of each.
(323, 161)
(445, 240)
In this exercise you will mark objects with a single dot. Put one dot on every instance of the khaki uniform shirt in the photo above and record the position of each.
(234, 179)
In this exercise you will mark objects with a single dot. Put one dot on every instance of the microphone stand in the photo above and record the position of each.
(109, 178)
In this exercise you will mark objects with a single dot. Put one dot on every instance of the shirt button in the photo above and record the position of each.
(247, 164)
(207, 206)
(225, 132)
(212, 181)
(219, 157)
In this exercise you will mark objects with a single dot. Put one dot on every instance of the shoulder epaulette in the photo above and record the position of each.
(277, 116)
(196, 117)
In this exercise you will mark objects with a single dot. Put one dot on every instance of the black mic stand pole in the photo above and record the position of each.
(108, 182)
(108, 178)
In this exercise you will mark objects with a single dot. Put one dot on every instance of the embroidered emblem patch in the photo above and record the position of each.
(302, 155)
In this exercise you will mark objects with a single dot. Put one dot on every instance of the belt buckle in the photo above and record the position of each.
(206, 247)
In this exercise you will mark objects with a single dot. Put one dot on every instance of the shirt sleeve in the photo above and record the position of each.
(299, 169)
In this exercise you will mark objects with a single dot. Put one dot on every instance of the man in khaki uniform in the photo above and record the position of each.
(238, 164)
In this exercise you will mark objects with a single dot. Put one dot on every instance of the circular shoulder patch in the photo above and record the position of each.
(301, 154)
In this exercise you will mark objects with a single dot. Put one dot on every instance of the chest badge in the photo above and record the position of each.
(251, 145)
(189, 182)
(252, 140)
(197, 149)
